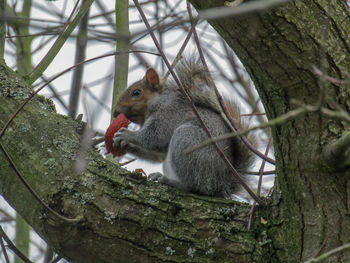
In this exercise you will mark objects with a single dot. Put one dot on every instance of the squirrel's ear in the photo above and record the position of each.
(152, 77)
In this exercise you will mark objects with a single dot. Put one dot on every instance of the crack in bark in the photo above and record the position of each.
(334, 25)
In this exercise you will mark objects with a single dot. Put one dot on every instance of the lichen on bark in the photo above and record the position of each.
(122, 212)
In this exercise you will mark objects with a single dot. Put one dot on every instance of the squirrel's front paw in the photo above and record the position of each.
(121, 138)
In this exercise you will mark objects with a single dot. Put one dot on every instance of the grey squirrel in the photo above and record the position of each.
(169, 127)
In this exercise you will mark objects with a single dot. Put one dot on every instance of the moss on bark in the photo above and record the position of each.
(125, 217)
(279, 47)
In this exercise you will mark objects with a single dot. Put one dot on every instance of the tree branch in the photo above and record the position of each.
(137, 220)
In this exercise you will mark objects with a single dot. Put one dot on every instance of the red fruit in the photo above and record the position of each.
(120, 121)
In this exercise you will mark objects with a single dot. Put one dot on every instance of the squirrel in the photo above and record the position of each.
(169, 127)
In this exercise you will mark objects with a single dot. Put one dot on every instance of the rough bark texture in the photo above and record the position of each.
(278, 48)
(127, 219)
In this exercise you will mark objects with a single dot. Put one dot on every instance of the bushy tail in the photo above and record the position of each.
(197, 81)
(244, 157)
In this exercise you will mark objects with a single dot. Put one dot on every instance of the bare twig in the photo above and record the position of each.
(247, 7)
(274, 122)
(264, 173)
(6, 214)
(261, 170)
(324, 243)
(4, 250)
(13, 247)
(252, 114)
(325, 77)
(225, 113)
(127, 162)
(55, 94)
(329, 253)
(80, 53)
(179, 55)
(44, 61)
(52, 79)
(34, 194)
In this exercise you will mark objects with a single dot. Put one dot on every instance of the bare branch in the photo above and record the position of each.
(261, 170)
(274, 122)
(81, 43)
(248, 7)
(329, 253)
(34, 194)
(13, 247)
(4, 250)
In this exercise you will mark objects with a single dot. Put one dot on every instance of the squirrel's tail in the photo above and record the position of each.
(197, 81)
(244, 157)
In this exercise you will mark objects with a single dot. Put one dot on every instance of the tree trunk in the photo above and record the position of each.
(128, 219)
(279, 49)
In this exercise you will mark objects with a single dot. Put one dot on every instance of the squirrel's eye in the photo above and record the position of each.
(136, 92)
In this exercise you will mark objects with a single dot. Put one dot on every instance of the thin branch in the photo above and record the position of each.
(55, 94)
(56, 47)
(13, 247)
(329, 253)
(250, 98)
(40, 68)
(261, 170)
(188, 99)
(274, 122)
(42, 33)
(52, 79)
(127, 162)
(264, 173)
(325, 77)
(339, 114)
(111, 24)
(253, 114)
(247, 7)
(6, 214)
(34, 194)
(4, 250)
(223, 110)
(179, 54)
(121, 65)
(80, 53)
(336, 224)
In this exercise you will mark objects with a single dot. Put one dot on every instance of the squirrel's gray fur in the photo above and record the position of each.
(170, 127)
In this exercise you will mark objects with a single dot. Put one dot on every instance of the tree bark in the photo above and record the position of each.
(125, 217)
(278, 49)
(128, 219)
